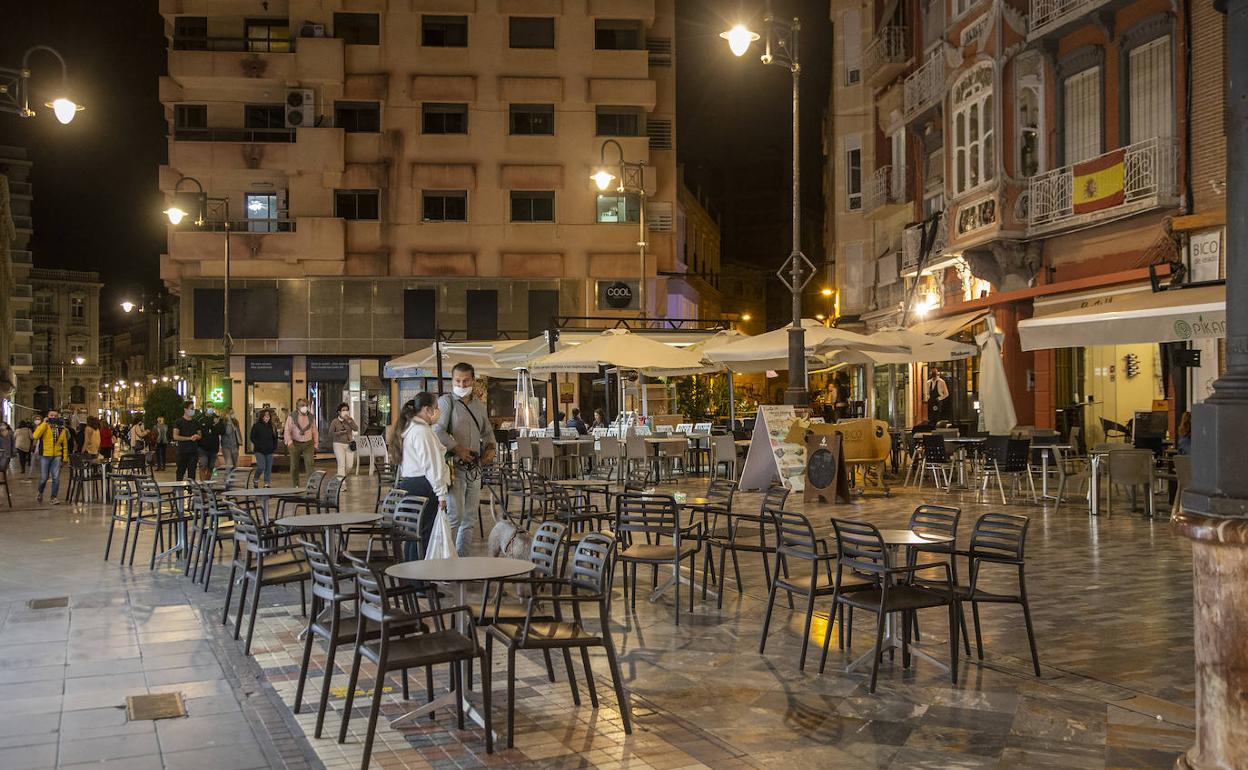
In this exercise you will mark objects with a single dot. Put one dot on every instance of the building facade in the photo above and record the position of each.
(65, 313)
(1011, 158)
(698, 249)
(399, 170)
(16, 228)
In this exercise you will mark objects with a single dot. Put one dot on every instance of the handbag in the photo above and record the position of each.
(351, 445)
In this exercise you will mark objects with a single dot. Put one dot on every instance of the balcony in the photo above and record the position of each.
(45, 316)
(314, 238)
(23, 326)
(21, 189)
(912, 250)
(313, 150)
(886, 192)
(249, 135)
(1148, 181)
(1052, 16)
(23, 222)
(23, 294)
(23, 363)
(886, 56)
(924, 88)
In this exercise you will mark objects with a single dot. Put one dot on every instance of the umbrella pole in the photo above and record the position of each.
(732, 404)
(437, 354)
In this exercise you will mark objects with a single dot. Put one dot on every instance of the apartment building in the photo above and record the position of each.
(395, 170)
(698, 251)
(1008, 157)
(16, 228)
(65, 347)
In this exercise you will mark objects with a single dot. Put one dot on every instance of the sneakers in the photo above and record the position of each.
(55, 501)
(39, 499)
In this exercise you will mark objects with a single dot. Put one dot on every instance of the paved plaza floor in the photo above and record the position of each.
(1111, 600)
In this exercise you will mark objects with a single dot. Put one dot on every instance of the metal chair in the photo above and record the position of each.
(309, 499)
(1131, 468)
(642, 523)
(255, 565)
(999, 539)
(937, 459)
(125, 501)
(1008, 456)
(239, 478)
(741, 533)
(588, 582)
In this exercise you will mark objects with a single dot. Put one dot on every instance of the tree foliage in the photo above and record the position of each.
(162, 401)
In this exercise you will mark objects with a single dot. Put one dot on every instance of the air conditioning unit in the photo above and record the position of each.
(308, 29)
(300, 108)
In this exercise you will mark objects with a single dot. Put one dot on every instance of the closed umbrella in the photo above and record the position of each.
(996, 406)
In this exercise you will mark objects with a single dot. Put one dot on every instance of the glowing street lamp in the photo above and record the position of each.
(739, 39)
(603, 178)
(15, 89)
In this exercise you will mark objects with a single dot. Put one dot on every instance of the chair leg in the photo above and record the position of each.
(371, 730)
(879, 648)
(511, 697)
(771, 601)
(979, 640)
(1031, 634)
(242, 600)
(303, 664)
(229, 590)
(810, 614)
(953, 641)
(827, 633)
(567, 661)
(346, 706)
(675, 589)
(486, 685)
(550, 668)
(251, 619)
(617, 682)
(589, 677)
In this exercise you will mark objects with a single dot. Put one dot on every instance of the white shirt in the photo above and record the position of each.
(424, 455)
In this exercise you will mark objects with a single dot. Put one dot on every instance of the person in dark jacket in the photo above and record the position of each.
(263, 445)
(210, 430)
(576, 422)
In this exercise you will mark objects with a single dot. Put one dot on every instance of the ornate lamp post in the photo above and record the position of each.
(15, 89)
(632, 179)
(176, 215)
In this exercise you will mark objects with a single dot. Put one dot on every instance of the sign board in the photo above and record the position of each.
(268, 368)
(567, 392)
(328, 368)
(826, 478)
(771, 454)
(1205, 254)
(617, 295)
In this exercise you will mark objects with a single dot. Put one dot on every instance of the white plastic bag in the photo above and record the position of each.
(441, 541)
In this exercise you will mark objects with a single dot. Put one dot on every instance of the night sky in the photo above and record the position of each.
(96, 202)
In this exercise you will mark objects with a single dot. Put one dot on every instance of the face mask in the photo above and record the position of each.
(461, 392)
(344, 413)
(212, 411)
(303, 410)
(187, 414)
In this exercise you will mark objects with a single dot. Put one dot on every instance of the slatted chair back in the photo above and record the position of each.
(721, 490)
(589, 569)
(247, 531)
(331, 493)
(795, 537)
(935, 520)
(994, 450)
(860, 546)
(407, 517)
(934, 449)
(125, 488)
(326, 577)
(389, 503)
(773, 499)
(999, 537)
(544, 550)
(312, 489)
(238, 478)
(1017, 455)
(646, 518)
(130, 465)
(635, 447)
(220, 475)
(370, 591)
(149, 492)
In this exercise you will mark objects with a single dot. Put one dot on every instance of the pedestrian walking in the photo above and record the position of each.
(186, 434)
(463, 427)
(422, 468)
(51, 439)
(161, 429)
(209, 444)
(22, 442)
(343, 429)
(231, 437)
(106, 440)
(301, 438)
(263, 445)
(91, 437)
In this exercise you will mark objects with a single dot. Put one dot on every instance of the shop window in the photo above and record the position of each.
(973, 135)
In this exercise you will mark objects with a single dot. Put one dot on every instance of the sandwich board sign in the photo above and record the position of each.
(771, 454)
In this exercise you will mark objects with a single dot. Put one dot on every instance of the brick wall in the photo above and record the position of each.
(1208, 119)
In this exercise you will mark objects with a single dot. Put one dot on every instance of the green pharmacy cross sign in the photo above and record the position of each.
(217, 395)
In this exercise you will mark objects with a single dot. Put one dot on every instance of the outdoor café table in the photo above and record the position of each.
(1094, 480)
(604, 487)
(895, 540)
(707, 506)
(263, 494)
(176, 492)
(1046, 451)
(327, 523)
(458, 571)
(961, 444)
(654, 442)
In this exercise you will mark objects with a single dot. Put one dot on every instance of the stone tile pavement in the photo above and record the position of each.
(1111, 599)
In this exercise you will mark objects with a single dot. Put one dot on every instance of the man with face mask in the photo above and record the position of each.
(51, 441)
(301, 439)
(463, 427)
(186, 434)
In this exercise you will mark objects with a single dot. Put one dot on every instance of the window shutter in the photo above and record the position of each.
(1082, 108)
(660, 133)
(852, 35)
(659, 216)
(1151, 97)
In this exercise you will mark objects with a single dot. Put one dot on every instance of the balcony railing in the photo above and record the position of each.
(1148, 181)
(22, 359)
(245, 226)
(246, 135)
(912, 248)
(1049, 15)
(45, 316)
(924, 88)
(23, 326)
(21, 188)
(886, 187)
(21, 257)
(239, 44)
(886, 56)
(23, 222)
(23, 291)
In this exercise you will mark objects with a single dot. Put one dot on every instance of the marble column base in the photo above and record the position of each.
(1220, 599)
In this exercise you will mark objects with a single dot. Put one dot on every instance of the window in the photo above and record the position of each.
(356, 204)
(261, 212)
(77, 307)
(618, 121)
(852, 35)
(77, 346)
(618, 35)
(532, 119)
(1030, 99)
(543, 307)
(190, 33)
(962, 6)
(853, 172)
(358, 117)
(358, 28)
(264, 116)
(446, 206)
(444, 118)
(972, 130)
(532, 206)
(1150, 90)
(444, 31)
(897, 184)
(482, 307)
(43, 302)
(190, 116)
(531, 32)
(420, 318)
(268, 35)
(619, 207)
(1081, 116)
(933, 23)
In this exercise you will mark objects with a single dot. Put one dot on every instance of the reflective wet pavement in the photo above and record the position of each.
(1111, 600)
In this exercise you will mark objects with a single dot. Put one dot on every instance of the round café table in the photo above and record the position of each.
(263, 494)
(895, 540)
(458, 571)
(327, 523)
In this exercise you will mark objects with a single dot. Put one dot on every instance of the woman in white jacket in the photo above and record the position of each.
(422, 464)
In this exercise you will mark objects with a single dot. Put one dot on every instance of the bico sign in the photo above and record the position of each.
(617, 295)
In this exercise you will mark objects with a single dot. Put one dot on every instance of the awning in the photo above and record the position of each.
(1130, 318)
(948, 326)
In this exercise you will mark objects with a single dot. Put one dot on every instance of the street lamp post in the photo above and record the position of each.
(797, 270)
(632, 178)
(176, 215)
(157, 307)
(15, 89)
(76, 361)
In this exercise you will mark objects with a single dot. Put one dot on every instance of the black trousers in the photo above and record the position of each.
(419, 485)
(186, 464)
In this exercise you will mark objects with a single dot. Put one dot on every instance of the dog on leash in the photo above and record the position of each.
(509, 541)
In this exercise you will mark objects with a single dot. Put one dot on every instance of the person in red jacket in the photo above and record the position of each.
(106, 440)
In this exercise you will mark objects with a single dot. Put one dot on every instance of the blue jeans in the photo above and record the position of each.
(264, 467)
(419, 485)
(50, 467)
(462, 510)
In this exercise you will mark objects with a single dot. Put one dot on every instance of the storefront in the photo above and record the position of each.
(267, 384)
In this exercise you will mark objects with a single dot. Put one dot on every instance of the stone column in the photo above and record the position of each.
(1215, 509)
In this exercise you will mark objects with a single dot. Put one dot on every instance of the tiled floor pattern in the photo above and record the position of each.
(1111, 599)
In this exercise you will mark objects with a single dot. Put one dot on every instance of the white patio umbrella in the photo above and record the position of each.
(770, 350)
(918, 348)
(996, 406)
(621, 349)
(482, 356)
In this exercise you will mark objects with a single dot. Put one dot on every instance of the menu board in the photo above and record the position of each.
(772, 452)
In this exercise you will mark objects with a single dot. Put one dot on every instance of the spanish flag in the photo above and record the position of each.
(1098, 183)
